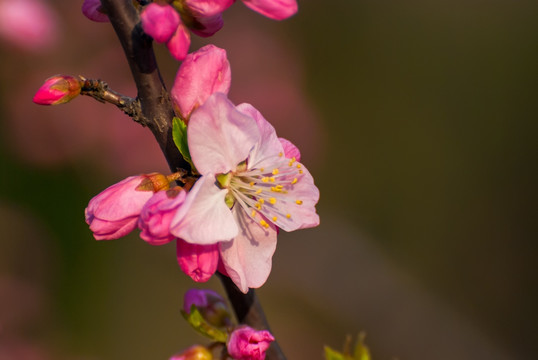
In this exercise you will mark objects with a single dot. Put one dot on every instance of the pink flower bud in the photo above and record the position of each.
(290, 150)
(203, 73)
(159, 22)
(245, 343)
(206, 26)
(273, 9)
(92, 9)
(210, 304)
(114, 212)
(197, 261)
(58, 89)
(157, 213)
(196, 352)
(29, 24)
(206, 8)
(179, 43)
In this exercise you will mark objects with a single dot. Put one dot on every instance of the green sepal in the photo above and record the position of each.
(361, 350)
(199, 324)
(331, 354)
(179, 134)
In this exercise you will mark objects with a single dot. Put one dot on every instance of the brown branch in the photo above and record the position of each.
(100, 91)
(157, 113)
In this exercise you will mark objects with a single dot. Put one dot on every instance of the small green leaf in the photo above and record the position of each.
(179, 134)
(361, 350)
(198, 322)
(331, 354)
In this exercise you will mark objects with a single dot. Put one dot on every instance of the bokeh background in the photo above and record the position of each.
(418, 120)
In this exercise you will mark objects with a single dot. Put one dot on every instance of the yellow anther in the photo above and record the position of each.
(272, 179)
(253, 213)
(259, 191)
(262, 169)
(271, 200)
(275, 171)
(251, 183)
(274, 218)
(299, 202)
(258, 206)
(288, 215)
(280, 154)
(264, 223)
(277, 188)
(294, 181)
(300, 171)
(265, 179)
(298, 166)
(261, 201)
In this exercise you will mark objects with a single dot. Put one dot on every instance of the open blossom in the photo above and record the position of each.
(248, 188)
(245, 343)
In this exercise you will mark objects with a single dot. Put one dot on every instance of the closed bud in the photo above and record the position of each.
(245, 343)
(58, 89)
(210, 304)
(195, 352)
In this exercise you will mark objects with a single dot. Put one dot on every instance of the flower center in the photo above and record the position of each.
(269, 192)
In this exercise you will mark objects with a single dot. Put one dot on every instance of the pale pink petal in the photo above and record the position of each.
(179, 43)
(92, 10)
(201, 74)
(204, 218)
(207, 7)
(159, 22)
(156, 216)
(197, 261)
(220, 137)
(290, 150)
(274, 9)
(269, 146)
(247, 258)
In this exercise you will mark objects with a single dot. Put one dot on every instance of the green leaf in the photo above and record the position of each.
(198, 322)
(331, 354)
(179, 134)
(361, 350)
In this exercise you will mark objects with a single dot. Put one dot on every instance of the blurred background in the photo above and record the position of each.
(418, 120)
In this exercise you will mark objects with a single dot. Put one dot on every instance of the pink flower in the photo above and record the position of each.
(58, 89)
(159, 22)
(248, 188)
(207, 8)
(114, 212)
(29, 24)
(197, 261)
(195, 352)
(245, 343)
(290, 151)
(202, 73)
(92, 9)
(273, 9)
(179, 43)
(157, 213)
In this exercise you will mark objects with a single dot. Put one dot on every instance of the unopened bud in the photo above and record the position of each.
(58, 89)
(210, 304)
(195, 352)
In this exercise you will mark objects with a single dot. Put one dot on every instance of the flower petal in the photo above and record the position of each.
(273, 9)
(269, 146)
(290, 150)
(220, 137)
(247, 258)
(204, 218)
